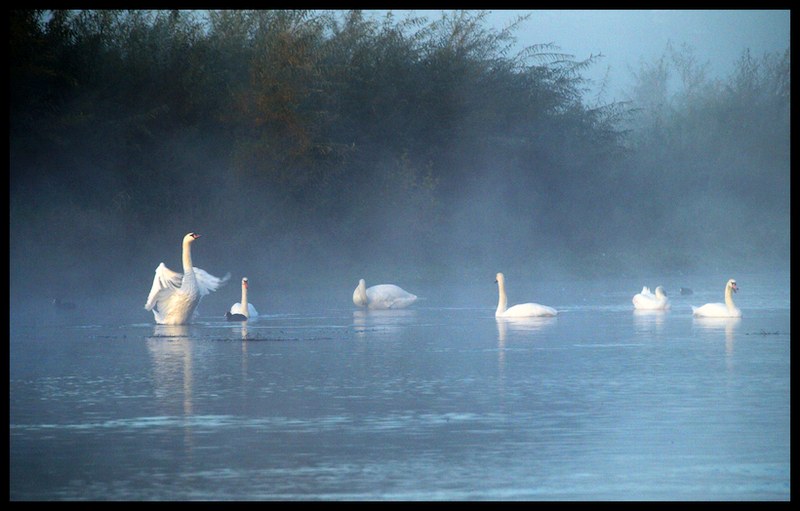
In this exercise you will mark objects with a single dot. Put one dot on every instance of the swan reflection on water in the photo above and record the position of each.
(170, 349)
(522, 325)
(645, 318)
(383, 319)
(240, 329)
(728, 325)
(711, 324)
(171, 352)
(517, 325)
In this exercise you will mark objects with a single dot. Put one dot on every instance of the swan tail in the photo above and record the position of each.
(251, 310)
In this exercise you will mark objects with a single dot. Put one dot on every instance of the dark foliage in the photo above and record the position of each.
(330, 141)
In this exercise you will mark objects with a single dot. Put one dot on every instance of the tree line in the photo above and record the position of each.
(337, 135)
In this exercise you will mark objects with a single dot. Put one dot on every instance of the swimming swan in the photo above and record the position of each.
(174, 296)
(649, 301)
(520, 310)
(244, 308)
(721, 310)
(382, 296)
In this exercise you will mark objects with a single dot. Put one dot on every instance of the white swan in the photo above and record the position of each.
(520, 310)
(174, 296)
(649, 301)
(244, 307)
(382, 296)
(721, 310)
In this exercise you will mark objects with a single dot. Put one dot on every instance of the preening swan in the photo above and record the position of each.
(649, 301)
(382, 296)
(721, 310)
(174, 296)
(244, 307)
(521, 310)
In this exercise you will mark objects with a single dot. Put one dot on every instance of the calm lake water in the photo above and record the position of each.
(437, 402)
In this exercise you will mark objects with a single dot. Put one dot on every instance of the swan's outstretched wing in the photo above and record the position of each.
(164, 282)
(206, 282)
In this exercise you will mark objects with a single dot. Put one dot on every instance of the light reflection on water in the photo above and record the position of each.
(380, 320)
(645, 319)
(600, 402)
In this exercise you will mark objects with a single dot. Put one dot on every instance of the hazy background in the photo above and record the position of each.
(311, 149)
(628, 38)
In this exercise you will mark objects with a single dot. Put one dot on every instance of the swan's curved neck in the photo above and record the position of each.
(502, 302)
(729, 298)
(361, 292)
(187, 256)
(244, 301)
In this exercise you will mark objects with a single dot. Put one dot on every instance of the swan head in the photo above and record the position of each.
(244, 282)
(190, 237)
(500, 278)
(732, 284)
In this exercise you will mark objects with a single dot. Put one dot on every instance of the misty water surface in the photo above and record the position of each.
(440, 401)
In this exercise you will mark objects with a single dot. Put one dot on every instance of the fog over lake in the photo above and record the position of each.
(432, 402)
(426, 149)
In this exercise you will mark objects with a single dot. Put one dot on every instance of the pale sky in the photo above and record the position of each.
(627, 37)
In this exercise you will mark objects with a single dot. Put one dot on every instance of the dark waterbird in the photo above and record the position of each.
(62, 305)
(235, 317)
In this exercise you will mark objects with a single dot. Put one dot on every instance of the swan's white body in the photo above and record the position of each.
(244, 307)
(649, 301)
(721, 310)
(174, 296)
(522, 310)
(382, 296)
